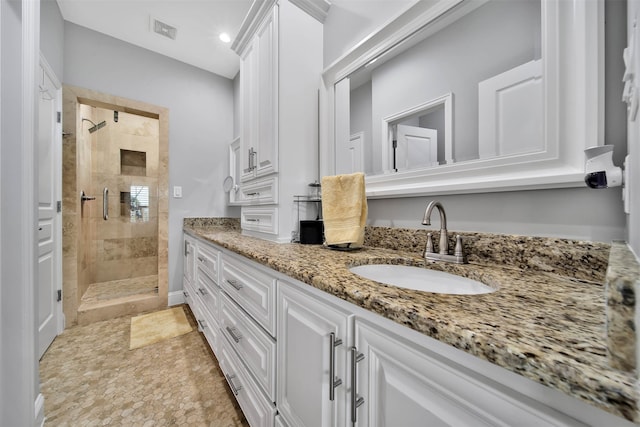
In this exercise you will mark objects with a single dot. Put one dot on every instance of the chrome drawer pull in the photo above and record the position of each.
(202, 324)
(232, 332)
(202, 291)
(201, 259)
(234, 388)
(252, 220)
(356, 401)
(333, 380)
(237, 286)
(186, 294)
(255, 193)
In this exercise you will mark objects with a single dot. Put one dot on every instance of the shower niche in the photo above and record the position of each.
(133, 162)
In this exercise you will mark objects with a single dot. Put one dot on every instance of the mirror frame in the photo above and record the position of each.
(573, 93)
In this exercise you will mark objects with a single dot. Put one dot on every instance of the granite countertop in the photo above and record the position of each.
(544, 326)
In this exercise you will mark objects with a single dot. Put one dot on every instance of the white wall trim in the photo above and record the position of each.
(175, 298)
(30, 61)
(318, 9)
(39, 410)
(257, 13)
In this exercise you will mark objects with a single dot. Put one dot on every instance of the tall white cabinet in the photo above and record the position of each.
(280, 49)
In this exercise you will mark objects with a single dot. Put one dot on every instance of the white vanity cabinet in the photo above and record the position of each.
(188, 264)
(401, 383)
(200, 287)
(280, 47)
(313, 340)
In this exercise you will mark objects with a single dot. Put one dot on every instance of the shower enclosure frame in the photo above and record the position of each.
(71, 206)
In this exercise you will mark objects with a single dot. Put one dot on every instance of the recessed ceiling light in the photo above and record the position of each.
(225, 37)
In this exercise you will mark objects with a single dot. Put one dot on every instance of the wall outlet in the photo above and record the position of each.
(177, 192)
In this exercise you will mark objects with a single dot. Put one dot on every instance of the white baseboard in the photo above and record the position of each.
(175, 298)
(39, 411)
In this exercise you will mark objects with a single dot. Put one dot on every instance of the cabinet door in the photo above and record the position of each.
(402, 384)
(248, 111)
(304, 355)
(267, 131)
(188, 259)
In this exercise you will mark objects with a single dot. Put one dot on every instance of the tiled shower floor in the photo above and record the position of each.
(89, 377)
(116, 289)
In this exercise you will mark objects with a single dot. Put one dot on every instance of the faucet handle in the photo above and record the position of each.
(429, 247)
(458, 249)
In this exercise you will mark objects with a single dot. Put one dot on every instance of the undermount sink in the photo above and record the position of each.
(421, 279)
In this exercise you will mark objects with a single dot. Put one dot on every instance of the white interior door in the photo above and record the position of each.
(350, 157)
(510, 108)
(417, 147)
(49, 232)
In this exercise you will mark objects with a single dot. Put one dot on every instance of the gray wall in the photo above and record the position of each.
(576, 213)
(633, 220)
(200, 119)
(52, 36)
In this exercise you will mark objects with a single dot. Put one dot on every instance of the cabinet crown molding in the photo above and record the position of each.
(318, 9)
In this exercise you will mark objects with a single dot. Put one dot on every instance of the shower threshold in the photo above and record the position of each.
(114, 298)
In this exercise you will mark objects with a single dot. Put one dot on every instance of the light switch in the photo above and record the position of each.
(177, 192)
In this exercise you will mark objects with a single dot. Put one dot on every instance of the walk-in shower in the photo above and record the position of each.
(116, 181)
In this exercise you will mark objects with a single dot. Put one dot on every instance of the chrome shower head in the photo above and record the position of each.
(95, 127)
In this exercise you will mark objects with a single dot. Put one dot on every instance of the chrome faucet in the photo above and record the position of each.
(458, 256)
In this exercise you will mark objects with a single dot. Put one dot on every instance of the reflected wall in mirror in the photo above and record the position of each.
(483, 59)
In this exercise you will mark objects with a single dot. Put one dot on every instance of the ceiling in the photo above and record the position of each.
(198, 22)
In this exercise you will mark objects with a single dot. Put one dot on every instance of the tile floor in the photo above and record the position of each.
(89, 377)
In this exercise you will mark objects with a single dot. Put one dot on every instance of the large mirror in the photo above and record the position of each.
(469, 95)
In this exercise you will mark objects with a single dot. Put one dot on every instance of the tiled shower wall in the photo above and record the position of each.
(125, 154)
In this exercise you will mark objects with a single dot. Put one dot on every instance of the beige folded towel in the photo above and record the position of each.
(344, 209)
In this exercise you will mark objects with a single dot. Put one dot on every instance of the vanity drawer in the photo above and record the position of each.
(262, 192)
(188, 292)
(255, 405)
(207, 260)
(255, 347)
(208, 325)
(208, 292)
(263, 220)
(252, 287)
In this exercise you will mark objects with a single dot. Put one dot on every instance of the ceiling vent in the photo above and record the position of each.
(164, 29)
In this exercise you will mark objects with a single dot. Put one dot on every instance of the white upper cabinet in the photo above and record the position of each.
(258, 86)
(280, 48)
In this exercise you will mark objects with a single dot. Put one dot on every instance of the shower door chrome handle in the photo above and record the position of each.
(105, 203)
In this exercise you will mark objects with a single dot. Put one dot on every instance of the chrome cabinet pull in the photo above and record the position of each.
(186, 294)
(255, 193)
(202, 324)
(201, 259)
(186, 248)
(237, 286)
(333, 380)
(234, 388)
(356, 401)
(232, 332)
(202, 291)
(105, 203)
(252, 220)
